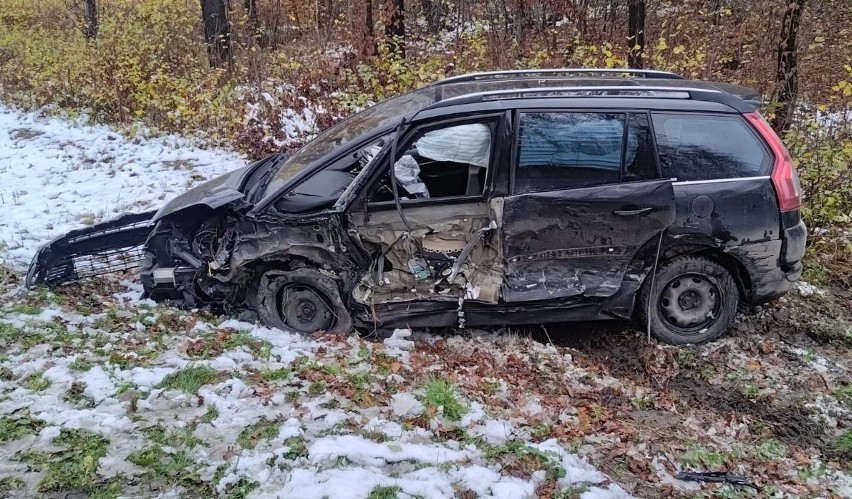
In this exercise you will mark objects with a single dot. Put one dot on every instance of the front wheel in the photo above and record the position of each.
(693, 300)
(302, 300)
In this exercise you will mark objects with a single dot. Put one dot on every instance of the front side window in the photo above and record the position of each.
(446, 161)
(705, 147)
(568, 150)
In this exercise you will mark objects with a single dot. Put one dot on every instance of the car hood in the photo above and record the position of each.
(212, 194)
(236, 185)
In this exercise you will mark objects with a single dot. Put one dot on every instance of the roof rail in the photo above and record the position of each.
(639, 91)
(550, 73)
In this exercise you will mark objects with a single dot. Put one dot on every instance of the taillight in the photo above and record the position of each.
(784, 177)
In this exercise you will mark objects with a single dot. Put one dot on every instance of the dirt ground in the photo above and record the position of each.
(770, 401)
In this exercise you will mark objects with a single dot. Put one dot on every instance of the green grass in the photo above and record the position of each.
(16, 426)
(211, 414)
(259, 347)
(189, 379)
(834, 330)
(36, 382)
(25, 309)
(80, 364)
(843, 443)
(749, 391)
(9, 334)
(241, 489)
(178, 437)
(273, 375)
(74, 466)
(176, 468)
(74, 394)
(844, 396)
(297, 448)
(516, 454)
(10, 484)
(316, 388)
(262, 429)
(702, 457)
(439, 393)
(385, 492)
(764, 450)
(573, 491)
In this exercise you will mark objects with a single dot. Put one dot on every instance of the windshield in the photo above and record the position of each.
(383, 114)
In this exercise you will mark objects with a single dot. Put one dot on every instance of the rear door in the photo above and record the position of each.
(586, 195)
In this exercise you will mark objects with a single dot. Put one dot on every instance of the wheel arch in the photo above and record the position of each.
(715, 254)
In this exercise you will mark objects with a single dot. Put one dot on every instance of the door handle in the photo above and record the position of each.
(627, 213)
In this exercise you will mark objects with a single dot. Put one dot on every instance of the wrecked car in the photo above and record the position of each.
(487, 199)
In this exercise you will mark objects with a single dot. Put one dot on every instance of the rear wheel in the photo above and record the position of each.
(302, 300)
(693, 300)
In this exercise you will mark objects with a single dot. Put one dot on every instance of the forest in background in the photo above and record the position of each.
(261, 76)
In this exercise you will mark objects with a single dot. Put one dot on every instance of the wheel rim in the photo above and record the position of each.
(305, 309)
(690, 303)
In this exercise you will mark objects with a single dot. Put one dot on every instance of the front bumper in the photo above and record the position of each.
(104, 248)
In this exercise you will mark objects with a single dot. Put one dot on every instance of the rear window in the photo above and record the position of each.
(566, 150)
(701, 147)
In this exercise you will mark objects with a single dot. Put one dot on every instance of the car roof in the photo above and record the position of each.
(606, 86)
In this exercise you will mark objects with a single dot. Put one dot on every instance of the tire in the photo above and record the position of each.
(303, 300)
(694, 301)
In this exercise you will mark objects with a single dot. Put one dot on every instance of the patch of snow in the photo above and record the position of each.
(405, 404)
(361, 451)
(56, 175)
(399, 340)
(804, 288)
(99, 386)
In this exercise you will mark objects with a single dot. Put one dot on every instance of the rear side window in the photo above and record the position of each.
(566, 150)
(702, 147)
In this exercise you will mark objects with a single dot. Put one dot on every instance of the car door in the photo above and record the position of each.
(585, 197)
(441, 243)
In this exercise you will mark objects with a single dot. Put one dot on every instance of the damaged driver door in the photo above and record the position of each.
(434, 236)
(586, 196)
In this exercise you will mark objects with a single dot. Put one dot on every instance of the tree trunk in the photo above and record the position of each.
(787, 77)
(368, 44)
(217, 32)
(635, 33)
(90, 30)
(395, 27)
(250, 6)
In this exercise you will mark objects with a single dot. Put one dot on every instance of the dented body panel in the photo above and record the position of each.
(580, 242)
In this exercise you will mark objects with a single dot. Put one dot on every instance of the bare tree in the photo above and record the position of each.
(635, 33)
(86, 12)
(367, 45)
(787, 76)
(395, 27)
(250, 6)
(217, 31)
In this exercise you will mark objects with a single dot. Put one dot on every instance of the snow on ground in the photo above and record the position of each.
(55, 176)
(107, 394)
(187, 403)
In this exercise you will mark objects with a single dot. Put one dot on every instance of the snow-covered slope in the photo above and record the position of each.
(56, 176)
